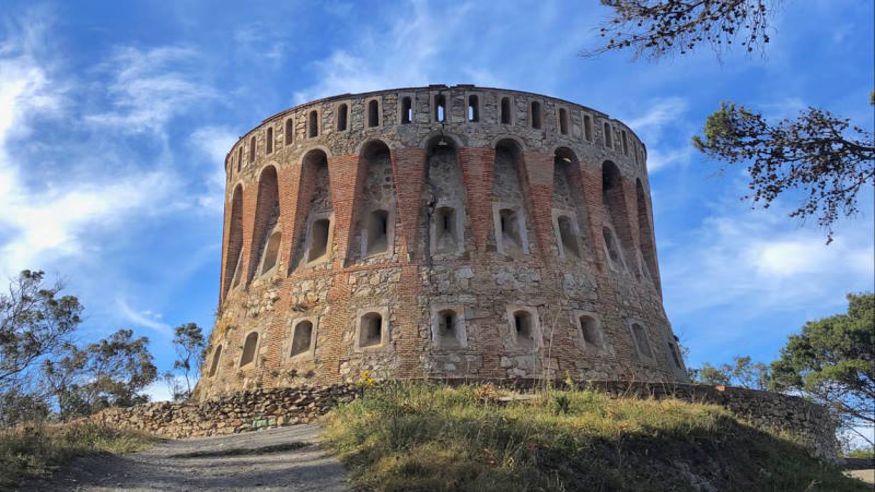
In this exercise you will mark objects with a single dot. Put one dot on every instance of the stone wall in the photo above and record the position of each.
(444, 189)
(252, 410)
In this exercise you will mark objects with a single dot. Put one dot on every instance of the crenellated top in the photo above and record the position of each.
(409, 117)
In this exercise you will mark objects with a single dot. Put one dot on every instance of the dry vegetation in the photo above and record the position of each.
(35, 450)
(423, 437)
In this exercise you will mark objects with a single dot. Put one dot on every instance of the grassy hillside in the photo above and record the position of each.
(36, 450)
(424, 437)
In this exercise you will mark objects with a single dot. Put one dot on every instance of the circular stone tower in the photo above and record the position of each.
(438, 232)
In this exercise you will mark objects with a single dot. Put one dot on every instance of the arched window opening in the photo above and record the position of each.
(641, 342)
(563, 121)
(609, 137)
(214, 365)
(271, 251)
(252, 149)
(406, 110)
(239, 157)
(505, 111)
(234, 251)
(371, 330)
(342, 115)
(445, 230)
(613, 250)
(536, 115)
(440, 108)
(590, 331)
(318, 239)
(269, 141)
(373, 113)
(290, 131)
(302, 338)
(524, 333)
(568, 237)
(645, 233)
(473, 108)
(448, 332)
(313, 124)
(587, 127)
(625, 143)
(249, 347)
(378, 232)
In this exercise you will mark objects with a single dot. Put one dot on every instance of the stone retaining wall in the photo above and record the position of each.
(252, 410)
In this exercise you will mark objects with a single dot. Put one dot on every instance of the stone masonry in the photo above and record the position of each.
(438, 232)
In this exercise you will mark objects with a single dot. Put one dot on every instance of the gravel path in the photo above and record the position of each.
(287, 458)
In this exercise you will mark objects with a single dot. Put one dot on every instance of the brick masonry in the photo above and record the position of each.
(478, 245)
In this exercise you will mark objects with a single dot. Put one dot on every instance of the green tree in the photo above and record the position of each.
(189, 343)
(35, 320)
(111, 372)
(818, 154)
(833, 362)
(825, 157)
(655, 28)
(743, 372)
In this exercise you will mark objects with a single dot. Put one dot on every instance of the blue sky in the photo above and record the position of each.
(115, 118)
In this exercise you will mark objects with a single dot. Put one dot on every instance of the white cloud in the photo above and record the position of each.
(405, 54)
(145, 318)
(212, 143)
(756, 261)
(663, 112)
(149, 87)
(664, 128)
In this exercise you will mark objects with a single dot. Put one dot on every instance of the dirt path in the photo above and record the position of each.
(287, 458)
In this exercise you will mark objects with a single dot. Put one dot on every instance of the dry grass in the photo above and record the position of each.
(35, 450)
(424, 437)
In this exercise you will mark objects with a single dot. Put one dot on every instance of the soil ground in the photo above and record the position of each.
(287, 458)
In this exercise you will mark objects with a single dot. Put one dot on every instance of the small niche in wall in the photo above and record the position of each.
(509, 228)
(249, 346)
(271, 252)
(302, 338)
(214, 366)
(371, 330)
(449, 333)
(377, 232)
(319, 232)
(567, 237)
(524, 329)
(446, 231)
(590, 331)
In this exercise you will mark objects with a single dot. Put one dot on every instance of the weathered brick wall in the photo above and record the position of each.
(472, 165)
(811, 424)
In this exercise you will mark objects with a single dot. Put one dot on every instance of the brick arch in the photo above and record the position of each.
(375, 157)
(614, 203)
(568, 181)
(234, 247)
(645, 231)
(434, 136)
(267, 213)
(370, 144)
(310, 150)
(521, 146)
(313, 199)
